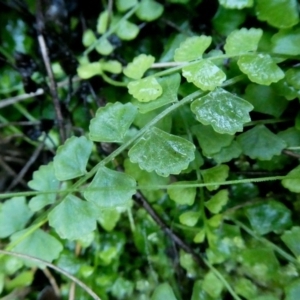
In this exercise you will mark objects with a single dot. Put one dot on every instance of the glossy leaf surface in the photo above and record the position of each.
(44, 180)
(215, 174)
(259, 142)
(162, 152)
(236, 4)
(225, 112)
(170, 85)
(278, 13)
(38, 244)
(110, 188)
(260, 68)
(269, 216)
(14, 214)
(139, 66)
(73, 218)
(242, 40)
(112, 122)
(192, 48)
(204, 74)
(149, 10)
(146, 89)
(71, 158)
(293, 184)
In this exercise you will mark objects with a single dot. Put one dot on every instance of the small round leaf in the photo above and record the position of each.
(139, 66)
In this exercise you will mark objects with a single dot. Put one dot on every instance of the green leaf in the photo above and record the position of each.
(278, 13)
(260, 68)
(112, 122)
(192, 48)
(226, 154)
(265, 99)
(71, 158)
(127, 30)
(109, 217)
(217, 201)
(44, 180)
(293, 185)
(139, 66)
(14, 214)
(145, 90)
(88, 38)
(163, 292)
(238, 4)
(162, 152)
(293, 77)
(38, 244)
(215, 174)
(286, 42)
(269, 216)
(103, 21)
(282, 88)
(292, 290)
(212, 285)
(188, 263)
(259, 142)
(104, 47)
(291, 136)
(149, 10)
(89, 70)
(123, 5)
(204, 74)
(189, 218)
(225, 112)
(199, 237)
(170, 85)
(210, 141)
(110, 188)
(242, 40)
(112, 66)
(73, 218)
(245, 288)
(291, 238)
(182, 195)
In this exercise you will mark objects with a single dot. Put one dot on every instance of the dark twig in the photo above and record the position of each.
(53, 87)
(140, 199)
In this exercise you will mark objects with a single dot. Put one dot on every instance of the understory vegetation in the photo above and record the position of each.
(150, 149)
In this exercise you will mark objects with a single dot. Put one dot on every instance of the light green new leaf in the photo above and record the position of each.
(216, 202)
(89, 70)
(293, 184)
(269, 216)
(189, 218)
(109, 217)
(112, 122)
(74, 218)
(260, 68)
(236, 4)
(192, 48)
(163, 292)
(182, 195)
(226, 154)
(210, 141)
(14, 214)
(127, 30)
(212, 285)
(111, 66)
(291, 238)
(110, 188)
(259, 142)
(162, 152)
(204, 74)
(293, 77)
(242, 40)
(149, 10)
(170, 85)
(71, 158)
(139, 66)
(44, 180)
(278, 13)
(215, 174)
(104, 47)
(88, 38)
(103, 22)
(38, 244)
(286, 42)
(225, 112)
(145, 90)
(123, 5)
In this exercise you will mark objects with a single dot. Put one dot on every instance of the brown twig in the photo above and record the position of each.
(140, 199)
(291, 153)
(52, 281)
